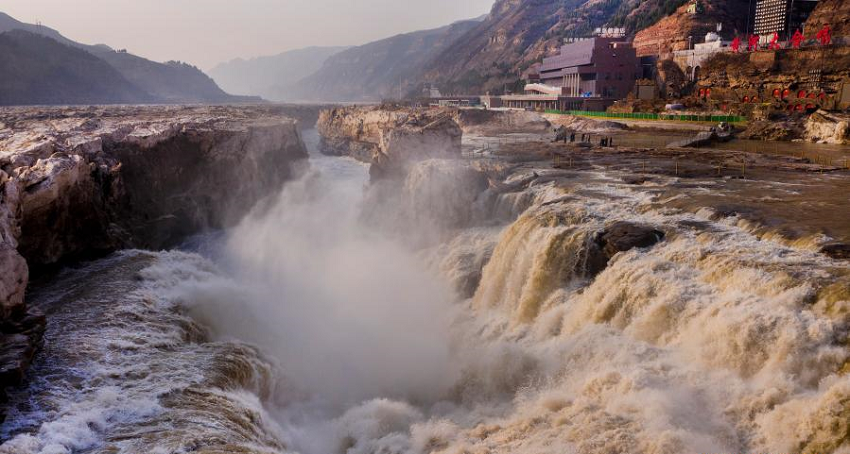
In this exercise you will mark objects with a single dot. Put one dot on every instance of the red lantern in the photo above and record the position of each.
(701, 92)
(801, 94)
(786, 93)
(707, 92)
(799, 107)
(812, 96)
(746, 99)
(822, 96)
(777, 93)
(810, 106)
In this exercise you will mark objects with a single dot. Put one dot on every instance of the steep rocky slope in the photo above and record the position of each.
(171, 82)
(76, 183)
(836, 13)
(389, 68)
(516, 34)
(38, 70)
(671, 33)
(270, 77)
(731, 76)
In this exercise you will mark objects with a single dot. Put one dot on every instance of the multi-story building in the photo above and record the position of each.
(781, 16)
(597, 67)
(586, 74)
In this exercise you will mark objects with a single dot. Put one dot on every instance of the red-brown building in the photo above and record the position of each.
(588, 74)
(593, 68)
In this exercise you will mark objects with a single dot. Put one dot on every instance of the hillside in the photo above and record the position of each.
(389, 68)
(171, 82)
(518, 33)
(269, 76)
(671, 33)
(836, 13)
(35, 69)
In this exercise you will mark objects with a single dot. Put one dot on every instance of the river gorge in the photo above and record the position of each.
(246, 285)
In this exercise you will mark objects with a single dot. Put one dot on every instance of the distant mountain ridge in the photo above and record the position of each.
(388, 68)
(270, 76)
(490, 54)
(171, 82)
(36, 69)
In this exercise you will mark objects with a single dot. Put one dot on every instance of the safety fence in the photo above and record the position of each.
(654, 116)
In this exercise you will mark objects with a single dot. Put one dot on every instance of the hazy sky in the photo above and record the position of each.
(207, 32)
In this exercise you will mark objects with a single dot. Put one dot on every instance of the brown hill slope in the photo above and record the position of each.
(836, 13)
(389, 68)
(516, 34)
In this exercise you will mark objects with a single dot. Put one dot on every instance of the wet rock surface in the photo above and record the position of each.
(619, 237)
(80, 182)
(20, 339)
(823, 127)
(839, 251)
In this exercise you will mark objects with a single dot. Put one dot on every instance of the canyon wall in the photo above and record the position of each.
(77, 183)
(389, 138)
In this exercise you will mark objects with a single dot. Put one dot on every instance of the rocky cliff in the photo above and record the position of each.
(389, 138)
(813, 76)
(671, 33)
(77, 183)
(836, 13)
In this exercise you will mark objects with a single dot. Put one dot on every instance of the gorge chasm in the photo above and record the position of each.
(367, 287)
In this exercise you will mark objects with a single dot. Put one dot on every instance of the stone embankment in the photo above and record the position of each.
(76, 183)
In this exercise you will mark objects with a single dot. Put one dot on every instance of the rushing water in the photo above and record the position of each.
(339, 318)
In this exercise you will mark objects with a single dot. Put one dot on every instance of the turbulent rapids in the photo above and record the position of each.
(465, 307)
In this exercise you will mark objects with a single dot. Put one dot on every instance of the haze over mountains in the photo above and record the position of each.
(40, 66)
(490, 53)
(271, 77)
(389, 68)
(487, 54)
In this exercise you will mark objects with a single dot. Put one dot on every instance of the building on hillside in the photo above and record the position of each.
(587, 74)
(781, 16)
(691, 60)
(599, 67)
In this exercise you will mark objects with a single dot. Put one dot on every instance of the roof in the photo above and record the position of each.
(574, 54)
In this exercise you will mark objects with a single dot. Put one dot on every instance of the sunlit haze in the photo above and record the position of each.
(207, 32)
